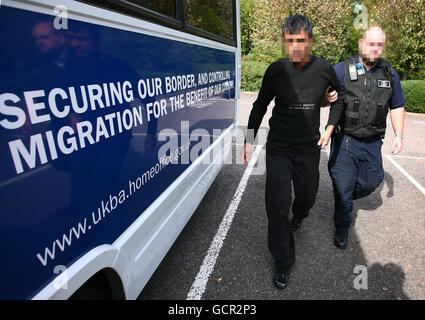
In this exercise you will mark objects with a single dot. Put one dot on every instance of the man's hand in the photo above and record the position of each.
(397, 145)
(328, 98)
(397, 119)
(246, 152)
(326, 136)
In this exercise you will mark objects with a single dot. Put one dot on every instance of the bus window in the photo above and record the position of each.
(215, 16)
(165, 7)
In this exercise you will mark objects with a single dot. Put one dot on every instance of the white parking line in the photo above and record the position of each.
(409, 157)
(201, 280)
(408, 176)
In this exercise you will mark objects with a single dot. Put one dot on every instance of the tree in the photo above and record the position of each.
(214, 16)
(246, 19)
(333, 30)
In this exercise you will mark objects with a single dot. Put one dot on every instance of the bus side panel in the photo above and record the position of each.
(151, 239)
(85, 113)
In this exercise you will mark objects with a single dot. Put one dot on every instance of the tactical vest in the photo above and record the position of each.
(367, 96)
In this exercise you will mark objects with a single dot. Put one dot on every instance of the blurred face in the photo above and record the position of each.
(297, 45)
(46, 39)
(82, 43)
(372, 45)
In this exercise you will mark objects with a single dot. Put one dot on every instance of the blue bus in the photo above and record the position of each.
(115, 118)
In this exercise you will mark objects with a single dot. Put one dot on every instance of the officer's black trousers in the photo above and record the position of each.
(356, 171)
(287, 164)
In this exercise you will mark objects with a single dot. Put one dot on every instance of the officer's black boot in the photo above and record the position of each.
(296, 224)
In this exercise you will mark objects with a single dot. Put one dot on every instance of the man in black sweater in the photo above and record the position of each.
(298, 85)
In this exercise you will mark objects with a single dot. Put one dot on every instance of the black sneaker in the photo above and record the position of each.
(296, 224)
(341, 239)
(280, 280)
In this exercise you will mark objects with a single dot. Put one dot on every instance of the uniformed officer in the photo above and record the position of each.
(370, 87)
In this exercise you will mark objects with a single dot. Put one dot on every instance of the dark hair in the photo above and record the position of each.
(79, 26)
(296, 23)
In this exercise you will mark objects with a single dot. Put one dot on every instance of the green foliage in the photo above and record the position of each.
(252, 75)
(352, 36)
(403, 24)
(246, 26)
(214, 16)
(258, 55)
(414, 95)
(333, 30)
(335, 36)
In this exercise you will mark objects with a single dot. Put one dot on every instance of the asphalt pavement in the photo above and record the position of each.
(385, 257)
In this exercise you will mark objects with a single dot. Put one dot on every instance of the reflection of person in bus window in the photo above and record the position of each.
(94, 170)
(49, 42)
(46, 68)
(84, 41)
(49, 64)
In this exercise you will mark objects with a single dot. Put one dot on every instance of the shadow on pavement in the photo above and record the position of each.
(374, 201)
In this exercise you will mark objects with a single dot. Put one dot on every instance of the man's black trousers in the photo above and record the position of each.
(287, 164)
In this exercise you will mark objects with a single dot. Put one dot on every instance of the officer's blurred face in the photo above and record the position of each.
(372, 45)
(297, 45)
